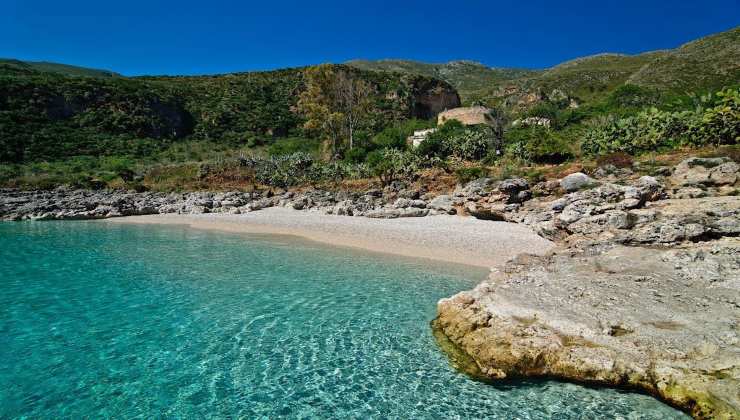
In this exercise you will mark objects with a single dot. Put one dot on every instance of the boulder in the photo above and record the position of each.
(576, 181)
(442, 203)
(474, 189)
(705, 172)
(650, 189)
(384, 213)
(413, 212)
(491, 212)
(515, 190)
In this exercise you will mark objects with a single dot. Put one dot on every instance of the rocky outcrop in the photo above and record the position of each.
(396, 200)
(432, 96)
(664, 321)
(644, 291)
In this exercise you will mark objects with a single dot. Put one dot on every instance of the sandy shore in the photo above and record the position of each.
(463, 240)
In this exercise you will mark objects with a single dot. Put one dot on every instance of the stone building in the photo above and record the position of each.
(471, 115)
(419, 136)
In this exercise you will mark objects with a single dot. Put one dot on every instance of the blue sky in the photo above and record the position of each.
(215, 36)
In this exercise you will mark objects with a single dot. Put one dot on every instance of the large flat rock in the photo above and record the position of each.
(663, 320)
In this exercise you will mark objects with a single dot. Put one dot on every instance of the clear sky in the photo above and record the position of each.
(215, 36)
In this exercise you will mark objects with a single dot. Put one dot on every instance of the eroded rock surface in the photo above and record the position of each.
(643, 292)
(663, 320)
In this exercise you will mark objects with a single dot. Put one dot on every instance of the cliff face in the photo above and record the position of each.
(431, 96)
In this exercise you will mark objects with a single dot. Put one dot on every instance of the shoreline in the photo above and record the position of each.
(451, 239)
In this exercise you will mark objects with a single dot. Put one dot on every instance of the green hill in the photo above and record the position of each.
(26, 67)
(703, 65)
(468, 77)
(47, 115)
(707, 63)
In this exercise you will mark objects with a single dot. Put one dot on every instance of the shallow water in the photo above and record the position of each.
(128, 321)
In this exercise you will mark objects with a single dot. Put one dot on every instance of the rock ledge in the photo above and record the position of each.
(661, 320)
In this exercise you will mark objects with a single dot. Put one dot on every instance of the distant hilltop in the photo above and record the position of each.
(63, 69)
(701, 65)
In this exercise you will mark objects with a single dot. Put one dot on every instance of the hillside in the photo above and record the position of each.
(26, 67)
(707, 63)
(47, 115)
(63, 124)
(699, 66)
(468, 77)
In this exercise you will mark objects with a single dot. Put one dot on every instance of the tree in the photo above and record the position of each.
(335, 103)
(354, 101)
(318, 103)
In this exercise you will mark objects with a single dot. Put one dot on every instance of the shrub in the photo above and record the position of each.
(434, 146)
(633, 96)
(544, 110)
(719, 124)
(465, 175)
(618, 159)
(655, 130)
(454, 139)
(8, 172)
(650, 130)
(292, 145)
(394, 137)
(537, 144)
(392, 164)
(356, 155)
(473, 143)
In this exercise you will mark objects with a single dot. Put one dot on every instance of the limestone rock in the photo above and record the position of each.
(664, 321)
(698, 172)
(490, 212)
(442, 203)
(515, 190)
(575, 182)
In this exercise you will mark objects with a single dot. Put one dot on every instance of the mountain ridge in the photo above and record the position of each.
(703, 64)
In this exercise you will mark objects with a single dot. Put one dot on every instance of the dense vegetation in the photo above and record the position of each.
(716, 121)
(51, 116)
(327, 124)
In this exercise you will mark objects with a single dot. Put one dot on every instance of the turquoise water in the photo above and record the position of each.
(100, 320)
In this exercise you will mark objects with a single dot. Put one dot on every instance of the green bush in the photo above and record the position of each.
(300, 168)
(291, 145)
(632, 96)
(356, 155)
(393, 164)
(544, 110)
(655, 130)
(719, 124)
(8, 172)
(537, 144)
(455, 139)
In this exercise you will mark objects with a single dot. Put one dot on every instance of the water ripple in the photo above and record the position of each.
(101, 320)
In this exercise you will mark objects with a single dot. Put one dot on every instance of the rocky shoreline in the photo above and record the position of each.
(643, 289)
